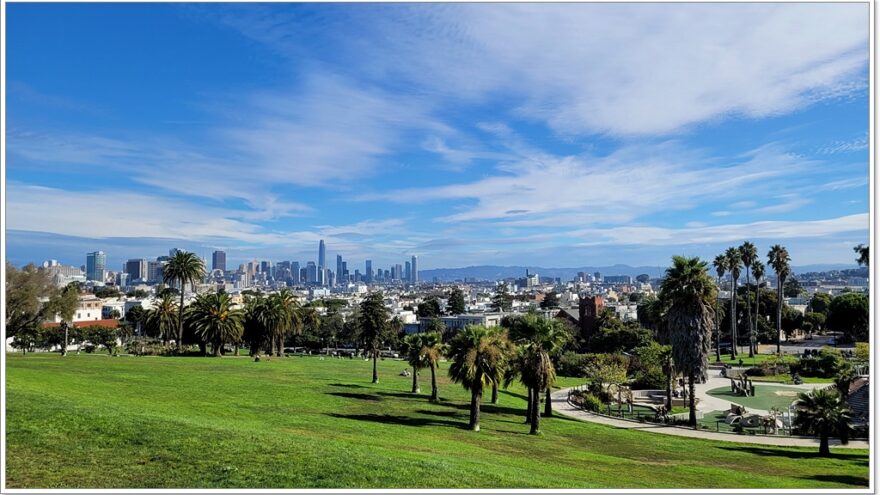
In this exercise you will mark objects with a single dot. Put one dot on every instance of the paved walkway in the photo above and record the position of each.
(709, 403)
(562, 406)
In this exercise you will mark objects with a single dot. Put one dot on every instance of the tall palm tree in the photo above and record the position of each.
(778, 258)
(415, 357)
(432, 349)
(255, 332)
(215, 321)
(184, 268)
(824, 413)
(478, 358)
(163, 317)
(758, 273)
(734, 265)
(290, 317)
(863, 251)
(546, 337)
(749, 255)
(690, 293)
(720, 264)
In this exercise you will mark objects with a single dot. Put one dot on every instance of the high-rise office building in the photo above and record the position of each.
(311, 273)
(218, 260)
(266, 267)
(294, 273)
(368, 271)
(339, 270)
(122, 279)
(322, 254)
(415, 270)
(136, 269)
(407, 272)
(96, 266)
(154, 272)
(344, 276)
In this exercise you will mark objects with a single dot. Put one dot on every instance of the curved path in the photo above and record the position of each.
(562, 406)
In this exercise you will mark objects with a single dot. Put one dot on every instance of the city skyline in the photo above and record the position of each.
(753, 125)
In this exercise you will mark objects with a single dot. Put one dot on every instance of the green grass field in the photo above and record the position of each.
(97, 421)
(766, 396)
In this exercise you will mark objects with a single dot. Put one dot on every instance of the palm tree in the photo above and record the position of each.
(290, 317)
(690, 293)
(749, 255)
(255, 332)
(778, 258)
(758, 273)
(185, 268)
(215, 321)
(432, 348)
(720, 264)
(478, 358)
(163, 317)
(824, 413)
(415, 357)
(734, 265)
(863, 252)
(543, 339)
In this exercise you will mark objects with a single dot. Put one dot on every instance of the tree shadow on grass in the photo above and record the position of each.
(794, 454)
(400, 420)
(445, 414)
(511, 394)
(346, 385)
(845, 479)
(352, 395)
(406, 395)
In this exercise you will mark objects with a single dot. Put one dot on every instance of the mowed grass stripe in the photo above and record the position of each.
(96, 421)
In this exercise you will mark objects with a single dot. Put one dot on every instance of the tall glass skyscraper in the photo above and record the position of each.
(322, 255)
(96, 266)
(415, 269)
(369, 271)
(218, 261)
(339, 269)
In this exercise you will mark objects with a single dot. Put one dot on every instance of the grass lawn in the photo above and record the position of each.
(750, 361)
(97, 421)
(766, 396)
(786, 379)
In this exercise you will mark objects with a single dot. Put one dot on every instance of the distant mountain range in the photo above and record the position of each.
(494, 272)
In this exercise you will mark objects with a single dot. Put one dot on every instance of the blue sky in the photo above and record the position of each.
(549, 135)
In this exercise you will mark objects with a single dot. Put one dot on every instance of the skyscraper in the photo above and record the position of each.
(96, 266)
(415, 269)
(369, 271)
(322, 255)
(311, 272)
(407, 272)
(136, 269)
(339, 269)
(218, 261)
(294, 273)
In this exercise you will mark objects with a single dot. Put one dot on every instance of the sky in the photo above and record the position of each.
(548, 135)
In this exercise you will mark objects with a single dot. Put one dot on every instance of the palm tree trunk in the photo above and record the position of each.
(217, 348)
(180, 320)
(692, 418)
(548, 407)
(237, 345)
(494, 393)
(733, 321)
(529, 406)
(536, 413)
(64, 344)
(749, 315)
(757, 308)
(375, 367)
(718, 329)
(476, 397)
(824, 451)
(669, 392)
(415, 387)
(435, 394)
(779, 315)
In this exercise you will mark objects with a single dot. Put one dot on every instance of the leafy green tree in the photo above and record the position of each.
(793, 288)
(849, 314)
(551, 300)
(647, 367)
(184, 268)
(823, 413)
(215, 321)
(691, 294)
(479, 356)
(792, 320)
(429, 308)
(24, 309)
(456, 304)
(616, 336)
(864, 254)
(107, 292)
(137, 293)
(502, 301)
(608, 372)
(650, 315)
(779, 259)
(374, 326)
(63, 304)
(820, 303)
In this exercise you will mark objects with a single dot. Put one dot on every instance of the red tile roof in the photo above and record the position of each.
(111, 323)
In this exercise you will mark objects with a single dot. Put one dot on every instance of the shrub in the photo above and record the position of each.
(827, 363)
(591, 403)
(571, 364)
